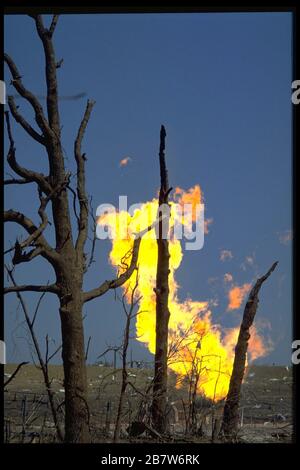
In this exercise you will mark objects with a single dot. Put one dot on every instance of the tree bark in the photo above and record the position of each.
(75, 380)
(162, 295)
(231, 408)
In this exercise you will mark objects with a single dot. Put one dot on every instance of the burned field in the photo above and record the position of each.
(265, 407)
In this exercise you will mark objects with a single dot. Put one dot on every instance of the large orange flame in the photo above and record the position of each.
(236, 296)
(195, 343)
(191, 197)
(256, 346)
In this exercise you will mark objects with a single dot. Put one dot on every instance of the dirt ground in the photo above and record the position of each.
(265, 411)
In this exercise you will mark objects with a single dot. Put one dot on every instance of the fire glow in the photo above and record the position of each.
(236, 296)
(195, 342)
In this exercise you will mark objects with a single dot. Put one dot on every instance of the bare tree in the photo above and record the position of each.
(43, 363)
(67, 257)
(130, 314)
(162, 296)
(231, 409)
(185, 349)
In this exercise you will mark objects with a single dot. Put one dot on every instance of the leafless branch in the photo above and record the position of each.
(26, 94)
(47, 352)
(55, 352)
(14, 373)
(43, 364)
(52, 94)
(47, 251)
(37, 308)
(53, 288)
(109, 349)
(74, 204)
(22, 121)
(91, 260)
(81, 191)
(28, 175)
(113, 284)
(44, 201)
(16, 181)
(87, 348)
(20, 257)
(53, 25)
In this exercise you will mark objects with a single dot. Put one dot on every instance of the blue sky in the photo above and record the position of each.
(221, 85)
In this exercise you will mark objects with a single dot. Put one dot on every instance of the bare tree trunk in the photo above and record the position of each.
(75, 379)
(162, 295)
(231, 408)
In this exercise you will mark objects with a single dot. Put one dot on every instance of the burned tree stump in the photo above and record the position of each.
(162, 296)
(231, 409)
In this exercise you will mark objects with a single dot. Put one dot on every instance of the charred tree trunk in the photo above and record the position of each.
(231, 408)
(73, 355)
(162, 295)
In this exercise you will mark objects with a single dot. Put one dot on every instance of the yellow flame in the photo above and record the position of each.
(195, 343)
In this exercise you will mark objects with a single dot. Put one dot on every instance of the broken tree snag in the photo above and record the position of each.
(162, 295)
(231, 408)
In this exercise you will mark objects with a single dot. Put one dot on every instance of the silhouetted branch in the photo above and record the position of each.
(52, 94)
(14, 373)
(113, 284)
(43, 364)
(29, 175)
(22, 121)
(53, 288)
(74, 204)
(87, 348)
(91, 260)
(26, 94)
(16, 181)
(81, 191)
(37, 308)
(35, 234)
(231, 408)
(53, 25)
